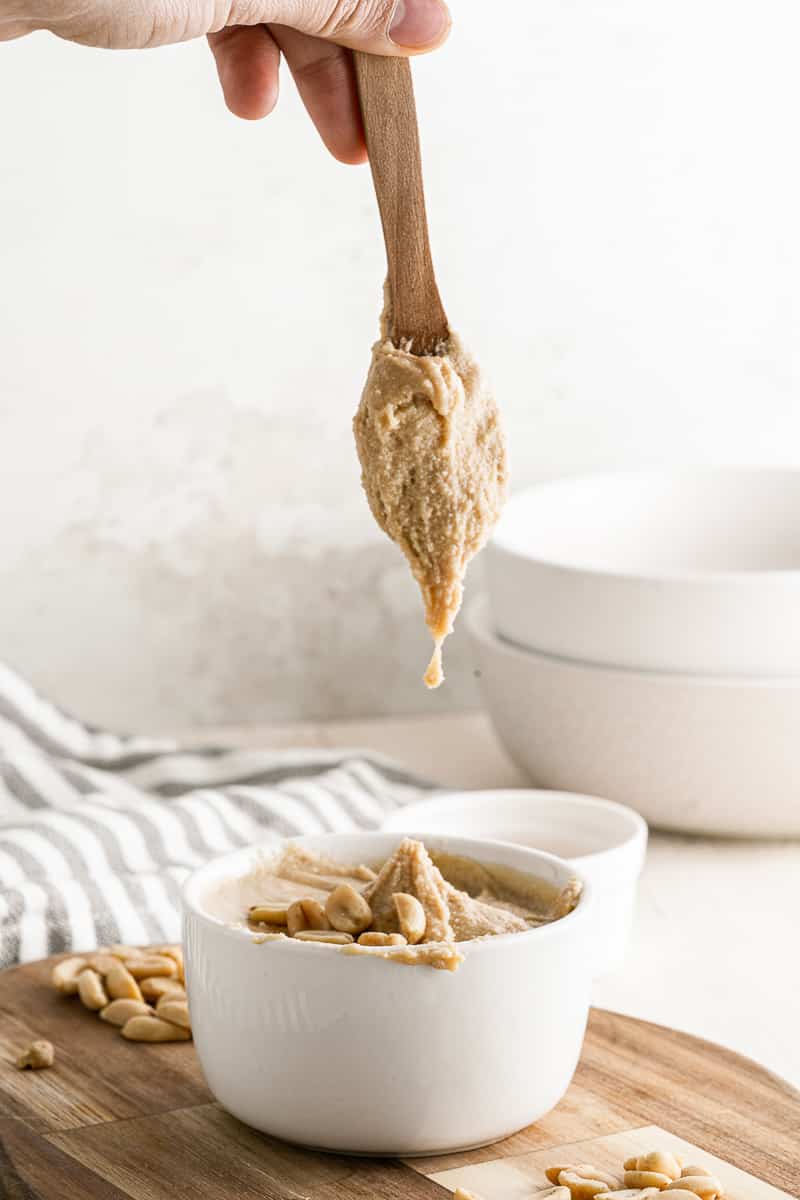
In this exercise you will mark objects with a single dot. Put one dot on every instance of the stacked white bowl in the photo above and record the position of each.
(640, 640)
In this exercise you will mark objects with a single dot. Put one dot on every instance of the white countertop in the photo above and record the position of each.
(716, 948)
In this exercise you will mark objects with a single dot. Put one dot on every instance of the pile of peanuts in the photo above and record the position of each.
(643, 1177)
(344, 918)
(139, 990)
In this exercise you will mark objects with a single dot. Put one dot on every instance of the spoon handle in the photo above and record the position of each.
(386, 94)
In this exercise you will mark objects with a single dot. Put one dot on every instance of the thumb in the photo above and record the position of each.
(377, 26)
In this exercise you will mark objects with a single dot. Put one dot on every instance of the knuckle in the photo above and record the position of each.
(351, 18)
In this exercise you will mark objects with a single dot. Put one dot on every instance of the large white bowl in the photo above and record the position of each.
(366, 1056)
(693, 753)
(604, 842)
(694, 571)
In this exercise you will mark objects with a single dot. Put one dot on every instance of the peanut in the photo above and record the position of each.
(149, 965)
(119, 1012)
(40, 1054)
(102, 963)
(646, 1179)
(306, 914)
(325, 937)
(678, 1193)
(121, 951)
(121, 985)
(552, 1173)
(91, 990)
(629, 1194)
(372, 938)
(659, 1161)
(153, 1029)
(176, 954)
(347, 910)
(267, 914)
(411, 917)
(64, 977)
(585, 1182)
(691, 1170)
(158, 986)
(707, 1186)
(174, 1011)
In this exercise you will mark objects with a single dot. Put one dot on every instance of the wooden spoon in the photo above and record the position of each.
(386, 94)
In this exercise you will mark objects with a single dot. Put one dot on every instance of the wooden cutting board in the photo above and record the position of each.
(114, 1120)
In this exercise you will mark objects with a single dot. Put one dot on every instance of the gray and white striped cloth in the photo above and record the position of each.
(98, 831)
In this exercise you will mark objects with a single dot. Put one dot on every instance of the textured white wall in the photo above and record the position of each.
(187, 303)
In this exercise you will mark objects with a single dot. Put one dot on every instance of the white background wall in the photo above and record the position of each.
(187, 303)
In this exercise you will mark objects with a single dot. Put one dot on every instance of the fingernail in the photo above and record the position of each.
(418, 23)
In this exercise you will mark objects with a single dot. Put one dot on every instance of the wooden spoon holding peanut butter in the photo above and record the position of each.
(427, 429)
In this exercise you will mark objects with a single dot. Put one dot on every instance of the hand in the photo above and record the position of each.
(248, 37)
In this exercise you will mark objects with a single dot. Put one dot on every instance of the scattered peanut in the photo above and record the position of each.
(553, 1173)
(585, 1182)
(324, 937)
(703, 1185)
(629, 1194)
(306, 914)
(658, 1161)
(121, 985)
(159, 985)
(646, 1179)
(91, 990)
(102, 963)
(554, 1193)
(176, 954)
(37, 1057)
(65, 975)
(411, 917)
(153, 1029)
(119, 1012)
(121, 951)
(174, 1011)
(373, 938)
(106, 982)
(154, 964)
(267, 914)
(646, 1176)
(347, 910)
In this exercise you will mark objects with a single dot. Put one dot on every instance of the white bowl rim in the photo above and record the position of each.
(504, 543)
(634, 841)
(478, 622)
(215, 868)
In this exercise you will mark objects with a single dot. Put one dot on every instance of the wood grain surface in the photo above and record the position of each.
(114, 1120)
(386, 94)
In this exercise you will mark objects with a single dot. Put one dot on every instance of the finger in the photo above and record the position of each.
(326, 81)
(378, 26)
(248, 63)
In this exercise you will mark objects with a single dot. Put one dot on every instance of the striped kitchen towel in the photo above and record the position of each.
(98, 831)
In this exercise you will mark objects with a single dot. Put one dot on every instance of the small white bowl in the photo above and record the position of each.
(700, 754)
(604, 842)
(366, 1056)
(694, 571)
